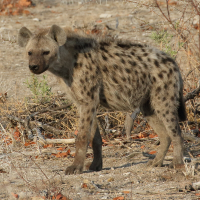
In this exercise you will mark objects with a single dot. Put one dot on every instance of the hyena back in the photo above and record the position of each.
(118, 74)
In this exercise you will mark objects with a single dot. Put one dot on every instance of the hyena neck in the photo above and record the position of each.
(63, 66)
(68, 55)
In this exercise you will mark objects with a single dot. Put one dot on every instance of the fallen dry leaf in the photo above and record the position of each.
(15, 195)
(118, 198)
(29, 143)
(152, 152)
(126, 192)
(84, 185)
(142, 147)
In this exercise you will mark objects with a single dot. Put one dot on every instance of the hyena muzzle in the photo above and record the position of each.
(118, 74)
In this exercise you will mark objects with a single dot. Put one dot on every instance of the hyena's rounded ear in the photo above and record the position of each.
(24, 36)
(57, 34)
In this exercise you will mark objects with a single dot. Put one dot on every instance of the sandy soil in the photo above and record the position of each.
(125, 174)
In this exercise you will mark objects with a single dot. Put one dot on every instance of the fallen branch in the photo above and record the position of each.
(192, 95)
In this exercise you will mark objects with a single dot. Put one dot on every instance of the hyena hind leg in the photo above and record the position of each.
(164, 138)
(96, 142)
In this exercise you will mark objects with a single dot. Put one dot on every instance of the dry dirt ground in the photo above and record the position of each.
(32, 174)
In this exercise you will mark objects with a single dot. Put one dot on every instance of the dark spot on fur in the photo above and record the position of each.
(76, 56)
(165, 86)
(123, 61)
(92, 77)
(144, 75)
(158, 89)
(115, 80)
(166, 105)
(129, 80)
(167, 112)
(128, 70)
(88, 119)
(82, 81)
(88, 93)
(163, 115)
(129, 92)
(133, 53)
(145, 65)
(156, 63)
(143, 50)
(117, 54)
(154, 79)
(85, 55)
(139, 58)
(104, 57)
(90, 67)
(103, 49)
(145, 54)
(173, 130)
(116, 66)
(124, 46)
(123, 79)
(172, 98)
(170, 82)
(167, 59)
(149, 59)
(160, 75)
(137, 45)
(83, 120)
(105, 69)
(118, 97)
(164, 98)
(102, 43)
(93, 89)
(93, 109)
(89, 54)
(133, 63)
(175, 69)
(172, 120)
(76, 65)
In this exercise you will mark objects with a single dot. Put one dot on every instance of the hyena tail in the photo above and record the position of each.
(181, 109)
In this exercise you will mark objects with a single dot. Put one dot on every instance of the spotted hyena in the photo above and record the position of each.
(120, 75)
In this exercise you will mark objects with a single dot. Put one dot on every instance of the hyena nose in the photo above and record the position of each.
(33, 67)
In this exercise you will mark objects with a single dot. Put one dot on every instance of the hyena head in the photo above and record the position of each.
(42, 49)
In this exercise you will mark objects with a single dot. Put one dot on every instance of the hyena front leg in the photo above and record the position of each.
(87, 114)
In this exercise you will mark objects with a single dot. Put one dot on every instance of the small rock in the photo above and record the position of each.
(196, 20)
(86, 181)
(105, 15)
(36, 19)
(110, 179)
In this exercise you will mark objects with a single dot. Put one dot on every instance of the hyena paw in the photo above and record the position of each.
(74, 169)
(177, 165)
(96, 166)
(154, 163)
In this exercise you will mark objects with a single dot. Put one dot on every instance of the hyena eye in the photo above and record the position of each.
(29, 53)
(46, 52)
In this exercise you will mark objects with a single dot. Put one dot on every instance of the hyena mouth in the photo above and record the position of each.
(38, 70)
